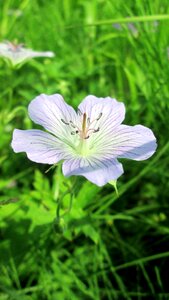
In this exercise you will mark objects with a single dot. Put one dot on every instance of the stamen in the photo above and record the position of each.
(66, 123)
(73, 125)
(98, 118)
(74, 132)
(95, 120)
(96, 130)
(87, 129)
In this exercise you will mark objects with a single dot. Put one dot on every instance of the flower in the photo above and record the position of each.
(89, 141)
(17, 54)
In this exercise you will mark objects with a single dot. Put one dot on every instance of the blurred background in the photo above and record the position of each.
(102, 246)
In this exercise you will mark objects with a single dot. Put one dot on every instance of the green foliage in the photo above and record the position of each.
(64, 238)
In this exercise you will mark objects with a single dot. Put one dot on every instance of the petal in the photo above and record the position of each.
(39, 146)
(23, 55)
(30, 53)
(49, 111)
(3, 46)
(97, 171)
(133, 142)
(105, 115)
(113, 112)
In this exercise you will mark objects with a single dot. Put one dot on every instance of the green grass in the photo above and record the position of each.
(100, 246)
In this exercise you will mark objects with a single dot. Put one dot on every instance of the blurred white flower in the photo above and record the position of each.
(17, 54)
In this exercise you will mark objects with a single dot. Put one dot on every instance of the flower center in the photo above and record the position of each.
(14, 47)
(84, 131)
(87, 128)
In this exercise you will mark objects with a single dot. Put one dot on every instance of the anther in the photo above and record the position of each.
(98, 118)
(96, 130)
(73, 125)
(88, 121)
(74, 132)
(66, 123)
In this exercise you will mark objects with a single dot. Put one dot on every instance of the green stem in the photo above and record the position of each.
(11, 90)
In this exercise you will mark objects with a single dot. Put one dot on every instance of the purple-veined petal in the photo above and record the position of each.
(97, 171)
(40, 147)
(104, 114)
(53, 113)
(134, 142)
(111, 111)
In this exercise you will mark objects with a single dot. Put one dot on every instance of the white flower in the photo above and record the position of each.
(17, 54)
(89, 141)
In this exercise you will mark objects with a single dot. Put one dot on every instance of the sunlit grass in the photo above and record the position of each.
(105, 247)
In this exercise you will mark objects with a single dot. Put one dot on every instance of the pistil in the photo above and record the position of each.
(86, 130)
(84, 125)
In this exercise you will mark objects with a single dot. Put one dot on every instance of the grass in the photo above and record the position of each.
(100, 246)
